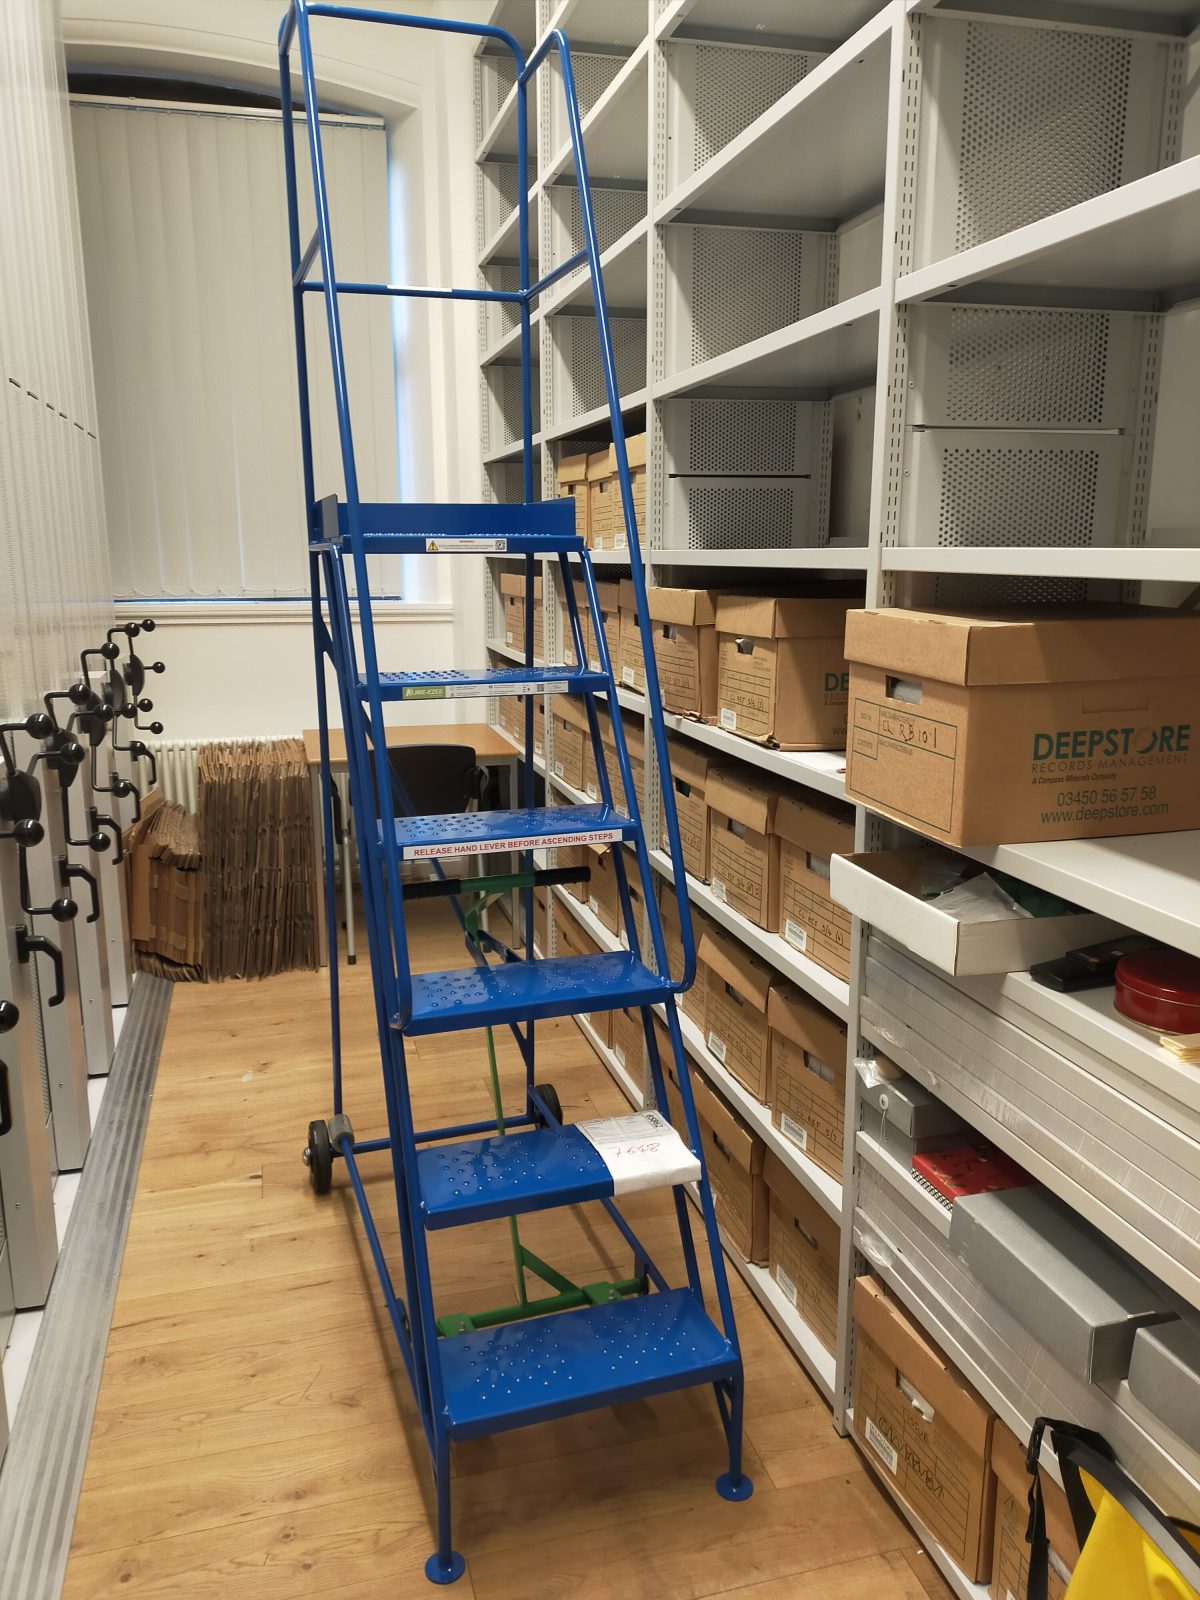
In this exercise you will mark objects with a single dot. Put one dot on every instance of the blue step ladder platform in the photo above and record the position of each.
(583, 1345)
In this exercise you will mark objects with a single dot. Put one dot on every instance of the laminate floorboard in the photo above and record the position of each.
(255, 1434)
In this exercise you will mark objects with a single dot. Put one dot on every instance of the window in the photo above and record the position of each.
(184, 223)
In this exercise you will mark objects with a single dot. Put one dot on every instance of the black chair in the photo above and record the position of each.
(434, 779)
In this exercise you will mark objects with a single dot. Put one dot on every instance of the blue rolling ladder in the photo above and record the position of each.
(481, 1374)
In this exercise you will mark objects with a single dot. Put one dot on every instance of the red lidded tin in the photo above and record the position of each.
(1161, 990)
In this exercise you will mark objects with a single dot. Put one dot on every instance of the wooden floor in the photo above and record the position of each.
(255, 1434)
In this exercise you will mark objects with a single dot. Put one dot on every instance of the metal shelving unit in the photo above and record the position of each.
(703, 132)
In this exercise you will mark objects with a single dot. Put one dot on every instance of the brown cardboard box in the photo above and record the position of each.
(628, 1042)
(689, 780)
(632, 673)
(510, 720)
(568, 646)
(609, 596)
(803, 1253)
(694, 1001)
(925, 1428)
(806, 1085)
(512, 587)
(685, 648)
(1000, 728)
(810, 832)
(673, 1110)
(743, 847)
(575, 940)
(572, 480)
(735, 1023)
(603, 899)
(635, 745)
(734, 1157)
(782, 674)
(1010, 1553)
(539, 726)
(570, 728)
(605, 518)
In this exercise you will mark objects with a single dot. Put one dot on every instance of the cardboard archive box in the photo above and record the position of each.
(734, 1157)
(1010, 1553)
(572, 480)
(629, 1042)
(512, 587)
(925, 1428)
(803, 1250)
(575, 940)
(689, 782)
(631, 672)
(806, 1083)
(743, 847)
(569, 734)
(635, 745)
(685, 649)
(781, 676)
(609, 597)
(564, 618)
(694, 1001)
(606, 515)
(735, 1017)
(1003, 727)
(673, 1109)
(810, 833)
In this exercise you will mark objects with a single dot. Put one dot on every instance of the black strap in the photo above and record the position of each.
(1079, 1449)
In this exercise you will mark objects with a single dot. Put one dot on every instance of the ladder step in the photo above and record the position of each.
(508, 1175)
(467, 683)
(526, 1372)
(481, 833)
(520, 991)
(540, 527)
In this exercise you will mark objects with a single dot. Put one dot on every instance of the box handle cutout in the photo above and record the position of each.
(734, 995)
(817, 1067)
(810, 1239)
(907, 691)
(817, 865)
(745, 647)
(914, 1396)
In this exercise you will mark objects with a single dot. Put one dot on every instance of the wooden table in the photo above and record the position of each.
(491, 749)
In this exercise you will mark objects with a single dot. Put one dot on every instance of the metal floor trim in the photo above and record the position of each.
(41, 1474)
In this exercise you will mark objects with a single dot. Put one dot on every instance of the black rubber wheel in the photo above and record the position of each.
(553, 1104)
(318, 1157)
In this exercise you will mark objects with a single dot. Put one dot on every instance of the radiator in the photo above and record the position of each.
(179, 761)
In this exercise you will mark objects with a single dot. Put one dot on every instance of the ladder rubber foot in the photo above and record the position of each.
(439, 1571)
(731, 1488)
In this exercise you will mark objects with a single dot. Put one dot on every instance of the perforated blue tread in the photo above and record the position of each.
(526, 1372)
(468, 683)
(533, 827)
(561, 986)
(507, 1175)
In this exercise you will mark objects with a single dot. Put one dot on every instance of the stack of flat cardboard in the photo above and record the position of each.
(256, 827)
(166, 891)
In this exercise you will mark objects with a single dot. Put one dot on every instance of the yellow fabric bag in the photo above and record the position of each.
(1129, 1549)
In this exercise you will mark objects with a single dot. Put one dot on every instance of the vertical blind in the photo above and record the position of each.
(184, 223)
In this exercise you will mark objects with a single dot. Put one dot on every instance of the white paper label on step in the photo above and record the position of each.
(529, 841)
(488, 546)
(881, 1445)
(642, 1151)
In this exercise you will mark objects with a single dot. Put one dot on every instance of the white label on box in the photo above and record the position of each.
(719, 892)
(508, 636)
(593, 792)
(619, 1052)
(628, 675)
(786, 1284)
(728, 719)
(558, 769)
(794, 1131)
(795, 935)
(593, 905)
(718, 1047)
(881, 1446)
(642, 1151)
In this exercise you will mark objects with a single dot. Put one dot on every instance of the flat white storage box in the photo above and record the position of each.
(878, 886)
(1066, 1284)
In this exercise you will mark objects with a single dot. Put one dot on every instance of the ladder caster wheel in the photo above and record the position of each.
(731, 1488)
(318, 1158)
(439, 1571)
(553, 1104)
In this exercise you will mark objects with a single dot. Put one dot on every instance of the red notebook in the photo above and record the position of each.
(968, 1169)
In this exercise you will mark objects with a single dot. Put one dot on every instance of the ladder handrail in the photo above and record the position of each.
(296, 22)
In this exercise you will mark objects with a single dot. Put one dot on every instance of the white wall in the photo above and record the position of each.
(252, 674)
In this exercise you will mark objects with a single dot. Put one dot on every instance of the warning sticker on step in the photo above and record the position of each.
(642, 1151)
(488, 546)
(528, 841)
